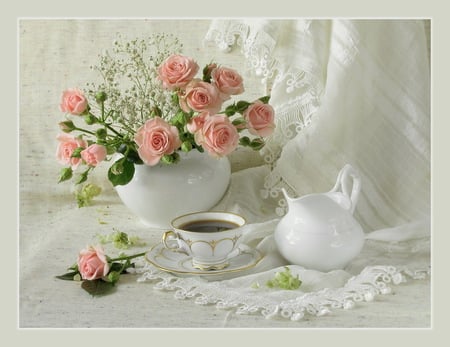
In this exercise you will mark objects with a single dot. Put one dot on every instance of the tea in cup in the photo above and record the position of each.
(210, 238)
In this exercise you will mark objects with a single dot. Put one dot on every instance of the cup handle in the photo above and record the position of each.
(170, 236)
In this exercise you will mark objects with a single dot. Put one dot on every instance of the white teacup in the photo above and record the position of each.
(210, 238)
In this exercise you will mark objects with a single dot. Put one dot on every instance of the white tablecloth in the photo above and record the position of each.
(55, 55)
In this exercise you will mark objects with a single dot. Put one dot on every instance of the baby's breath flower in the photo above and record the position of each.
(129, 74)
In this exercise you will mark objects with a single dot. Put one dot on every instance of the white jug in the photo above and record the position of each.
(319, 231)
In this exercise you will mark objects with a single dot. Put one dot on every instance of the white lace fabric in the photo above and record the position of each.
(344, 91)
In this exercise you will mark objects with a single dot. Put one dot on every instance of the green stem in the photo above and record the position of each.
(128, 257)
(84, 130)
(113, 130)
(102, 106)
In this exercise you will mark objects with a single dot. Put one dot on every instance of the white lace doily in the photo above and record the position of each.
(319, 294)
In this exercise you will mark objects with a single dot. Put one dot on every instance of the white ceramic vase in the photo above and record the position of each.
(158, 194)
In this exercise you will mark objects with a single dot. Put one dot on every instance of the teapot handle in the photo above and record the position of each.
(348, 177)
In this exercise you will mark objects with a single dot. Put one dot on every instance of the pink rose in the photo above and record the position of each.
(94, 154)
(201, 96)
(228, 81)
(260, 118)
(196, 123)
(177, 71)
(218, 136)
(92, 263)
(155, 139)
(67, 144)
(73, 102)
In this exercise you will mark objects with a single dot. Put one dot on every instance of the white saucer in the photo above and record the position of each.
(180, 263)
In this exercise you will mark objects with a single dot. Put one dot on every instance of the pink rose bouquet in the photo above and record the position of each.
(172, 106)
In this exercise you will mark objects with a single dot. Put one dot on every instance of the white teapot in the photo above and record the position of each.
(319, 231)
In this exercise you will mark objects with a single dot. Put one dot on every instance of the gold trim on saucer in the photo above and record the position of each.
(210, 267)
(256, 255)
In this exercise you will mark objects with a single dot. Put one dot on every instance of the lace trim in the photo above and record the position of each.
(372, 281)
(256, 46)
(302, 88)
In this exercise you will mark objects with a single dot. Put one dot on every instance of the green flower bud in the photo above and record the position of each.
(90, 119)
(170, 158)
(257, 144)
(77, 152)
(176, 157)
(240, 124)
(82, 178)
(100, 97)
(67, 126)
(113, 276)
(244, 141)
(156, 112)
(101, 133)
(167, 159)
(186, 146)
(66, 174)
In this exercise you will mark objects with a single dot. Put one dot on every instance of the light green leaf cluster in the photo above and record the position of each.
(285, 280)
(86, 194)
(121, 240)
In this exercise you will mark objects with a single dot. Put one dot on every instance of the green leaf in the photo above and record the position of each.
(242, 105)
(207, 73)
(175, 98)
(97, 287)
(121, 172)
(265, 99)
(134, 157)
(110, 150)
(121, 268)
(238, 121)
(179, 119)
(230, 110)
(69, 276)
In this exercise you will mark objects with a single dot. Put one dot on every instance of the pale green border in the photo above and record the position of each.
(229, 337)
